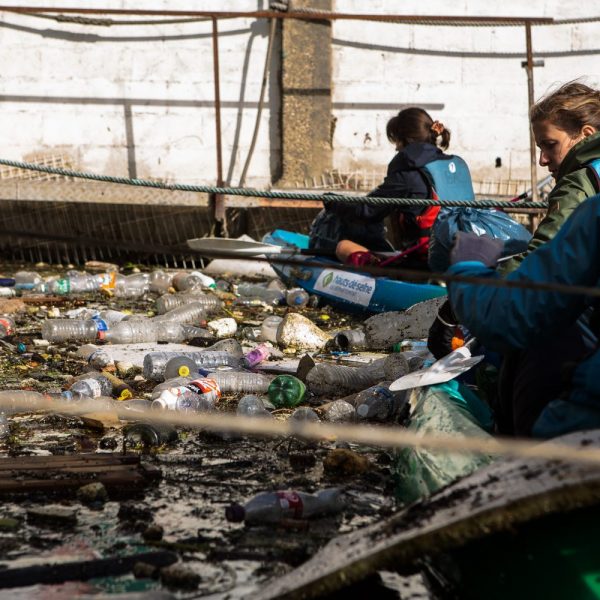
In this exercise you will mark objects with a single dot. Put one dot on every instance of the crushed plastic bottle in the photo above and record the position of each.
(286, 391)
(131, 332)
(193, 313)
(26, 280)
(149, 434)
(351, 340)
(274, 507)
(197, 396)
(187, 281)
(92, 387)
(169, 383)
(160, 282)
(131, 286)
(260, 292)
(329, 378)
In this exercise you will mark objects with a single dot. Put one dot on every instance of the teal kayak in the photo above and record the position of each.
(354, 292)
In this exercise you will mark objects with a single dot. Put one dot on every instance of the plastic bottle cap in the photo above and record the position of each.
(184, 371)
(235, 513)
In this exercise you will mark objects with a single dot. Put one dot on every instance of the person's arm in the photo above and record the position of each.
(568, 194)
(501, 317)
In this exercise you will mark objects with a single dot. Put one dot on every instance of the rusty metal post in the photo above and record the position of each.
(530, 98)
(217, 199)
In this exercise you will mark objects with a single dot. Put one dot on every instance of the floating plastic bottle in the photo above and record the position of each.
(286, 391)
(256, 356)
(150, 434)
(170, 331)
(378, 403)
(26, 280)
(187, 281)
(252, 406)
(339, 411)
(131, 332)
(235, 382)
(160, 282)
(155, 362)
(268, 329)
(351, 340)
(305, 415)
(328, 378)
(268, 296)
(297, 297)
(193, 313)
(92, 387)
(7, 327)
(274, 507)
(168, 302)
(198, 395)
(70, 330)
(132, 286)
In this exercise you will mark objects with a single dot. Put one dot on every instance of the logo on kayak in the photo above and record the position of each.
(452, 167)
(346, 286)
(327, 279)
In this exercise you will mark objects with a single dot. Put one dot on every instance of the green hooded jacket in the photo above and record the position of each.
(574, 184)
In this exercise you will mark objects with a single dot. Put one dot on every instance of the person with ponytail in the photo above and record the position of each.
(420, 142)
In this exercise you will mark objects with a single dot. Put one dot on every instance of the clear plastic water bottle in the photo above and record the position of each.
(296, 297)
(160, 282)
(150, 434)
(132, 286)
(256, 356)
(234, 382)
(110, 317)
(286, 391)
(26, 280)
(67, 330)
(168, 302)
(274, 507)
(193, 313)
(92, 387)
(169, 383)
(252, 406)
(268, 329)
(198, 395)
(7, 326)
(131, 332)
(187, 281)
(253, 290)
(155, 362)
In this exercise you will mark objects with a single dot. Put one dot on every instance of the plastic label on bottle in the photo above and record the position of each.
(7, 326)
(290, 501)
(205, 386)
(101, 324)
(62, 286)
(95, 387)
(108, 281)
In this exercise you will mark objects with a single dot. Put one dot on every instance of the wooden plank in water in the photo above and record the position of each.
(491, 500)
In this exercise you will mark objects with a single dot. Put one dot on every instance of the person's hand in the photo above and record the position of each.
(445, 334)
(481, 248)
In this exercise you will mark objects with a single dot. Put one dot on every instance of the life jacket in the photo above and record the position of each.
(449, 179)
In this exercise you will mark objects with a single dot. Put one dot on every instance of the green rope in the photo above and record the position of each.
(250, 192)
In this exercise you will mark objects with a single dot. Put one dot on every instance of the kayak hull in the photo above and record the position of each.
(355, 292)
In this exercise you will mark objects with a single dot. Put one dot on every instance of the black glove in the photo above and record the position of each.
(482, 248)
(443, 330)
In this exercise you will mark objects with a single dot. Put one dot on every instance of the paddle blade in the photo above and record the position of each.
(247, 248)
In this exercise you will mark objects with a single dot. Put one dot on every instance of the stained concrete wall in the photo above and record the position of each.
(138, 100)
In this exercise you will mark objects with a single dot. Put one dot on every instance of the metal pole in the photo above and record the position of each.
(219, 208)
(532, 151)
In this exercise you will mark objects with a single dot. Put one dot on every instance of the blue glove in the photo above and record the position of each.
(482, 248)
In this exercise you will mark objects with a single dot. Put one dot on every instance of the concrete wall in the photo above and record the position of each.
(470, 78)
(138, 100)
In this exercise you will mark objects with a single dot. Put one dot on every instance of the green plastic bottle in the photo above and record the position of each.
(286, 391)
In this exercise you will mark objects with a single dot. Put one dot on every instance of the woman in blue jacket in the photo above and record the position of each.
(533, 320)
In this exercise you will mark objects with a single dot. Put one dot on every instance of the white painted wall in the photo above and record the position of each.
(65, 87)
(474, 73)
